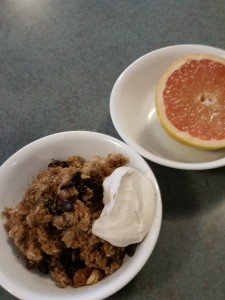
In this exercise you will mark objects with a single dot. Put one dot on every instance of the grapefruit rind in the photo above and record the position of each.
(183, 136)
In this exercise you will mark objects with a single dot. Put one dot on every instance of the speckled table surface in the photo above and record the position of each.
(58, 63)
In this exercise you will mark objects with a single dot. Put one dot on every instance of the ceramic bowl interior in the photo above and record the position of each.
(132, 109)
(17, 172)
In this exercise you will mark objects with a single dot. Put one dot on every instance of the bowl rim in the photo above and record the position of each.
(130, 141)
(150, 240)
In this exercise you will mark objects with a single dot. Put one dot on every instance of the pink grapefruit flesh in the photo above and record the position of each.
(190, 101)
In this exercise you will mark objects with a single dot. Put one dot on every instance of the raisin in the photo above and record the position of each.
(130, 249)
(58, 163)
(93, 183)
(109, 261)
(97, 246)
(43, 266)
(71, 261)
(57, 206)
(52, 205)
(74, 181)
(65, 205)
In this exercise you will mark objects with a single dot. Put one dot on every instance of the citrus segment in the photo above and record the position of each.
(190, 101)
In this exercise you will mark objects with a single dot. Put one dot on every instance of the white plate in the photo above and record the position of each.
(132, 109)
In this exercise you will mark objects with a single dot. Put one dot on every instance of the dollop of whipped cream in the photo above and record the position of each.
(129, 205)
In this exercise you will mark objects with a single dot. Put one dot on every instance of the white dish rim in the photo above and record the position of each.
(150, 156)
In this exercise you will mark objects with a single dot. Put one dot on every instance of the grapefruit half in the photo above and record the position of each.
(190, 101)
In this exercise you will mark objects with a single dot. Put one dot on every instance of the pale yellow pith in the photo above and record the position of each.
(180, 136)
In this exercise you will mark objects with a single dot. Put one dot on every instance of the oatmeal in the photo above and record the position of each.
(52, 225)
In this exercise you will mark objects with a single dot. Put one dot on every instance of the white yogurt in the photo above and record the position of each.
(129, 205)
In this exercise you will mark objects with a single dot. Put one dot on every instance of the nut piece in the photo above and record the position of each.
(95, 276)
(80, 276)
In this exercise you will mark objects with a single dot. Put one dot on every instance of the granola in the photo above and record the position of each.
(52, 224)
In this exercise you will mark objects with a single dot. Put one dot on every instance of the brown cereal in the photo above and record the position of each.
(51, 226)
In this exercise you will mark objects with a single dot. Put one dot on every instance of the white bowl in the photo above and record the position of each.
(132, 108)
(15, 175)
